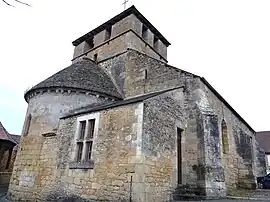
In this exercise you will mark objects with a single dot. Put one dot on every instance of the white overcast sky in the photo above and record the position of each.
(225, 41)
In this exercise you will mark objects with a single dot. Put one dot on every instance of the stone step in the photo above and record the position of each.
(188, 192)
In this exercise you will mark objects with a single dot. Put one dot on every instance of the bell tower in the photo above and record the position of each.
(128, 30)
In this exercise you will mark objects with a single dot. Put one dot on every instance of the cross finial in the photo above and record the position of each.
(125, 4)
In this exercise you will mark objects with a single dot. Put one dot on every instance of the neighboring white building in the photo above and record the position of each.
(263, 138)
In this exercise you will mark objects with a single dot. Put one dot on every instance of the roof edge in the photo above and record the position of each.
(226, 103)
(132, 100)
(68, 88)
(7, 134)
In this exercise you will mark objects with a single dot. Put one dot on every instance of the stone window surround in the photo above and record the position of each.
(74, 164)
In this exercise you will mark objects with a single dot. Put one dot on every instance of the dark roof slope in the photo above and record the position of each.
(85, 75)
(4, 135)
(226, 103)
(263, 139)
(125, 13)
(16, 138)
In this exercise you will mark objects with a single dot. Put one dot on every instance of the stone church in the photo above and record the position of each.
(121, 124)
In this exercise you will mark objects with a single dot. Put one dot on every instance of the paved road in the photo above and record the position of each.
(264, 194)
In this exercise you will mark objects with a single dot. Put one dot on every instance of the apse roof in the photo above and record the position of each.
(84, 75)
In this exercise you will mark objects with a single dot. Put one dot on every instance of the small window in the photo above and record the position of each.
(85, 140)
(108, 33)
(144, 32)
(95, 57)
(145, 74)
(156, 43)
(27, 125)
(90, 43)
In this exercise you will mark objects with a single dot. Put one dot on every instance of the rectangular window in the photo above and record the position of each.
(85, 140)
(95, 57)
(80, 151)
(145, 74)
(88, 150)
(82, 129)
(91, 125)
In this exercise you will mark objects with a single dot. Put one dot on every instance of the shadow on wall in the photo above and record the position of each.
(244, 147)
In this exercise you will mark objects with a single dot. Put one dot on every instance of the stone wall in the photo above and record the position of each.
(162, 115)
(115, 46)
(130, 69)
(37, 154)
(116, 151)
(240, 160)
(129, 72)
(261, 161)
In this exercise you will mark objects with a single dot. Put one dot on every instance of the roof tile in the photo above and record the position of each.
(85, 75)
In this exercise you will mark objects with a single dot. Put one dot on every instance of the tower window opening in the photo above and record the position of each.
(156, 43)
(95, 57)
(144, 32)
(108, 33)
(90, 43)
(145, 74)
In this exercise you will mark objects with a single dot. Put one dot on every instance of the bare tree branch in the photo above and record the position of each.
(8, 3)
(18, 1)
(22, 2)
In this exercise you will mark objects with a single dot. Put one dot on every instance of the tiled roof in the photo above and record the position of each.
(4, 135)
(16, 138)
(85, 75)
(263, 139)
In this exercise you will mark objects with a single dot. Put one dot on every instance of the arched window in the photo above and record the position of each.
(27, 124)
(225, 142)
